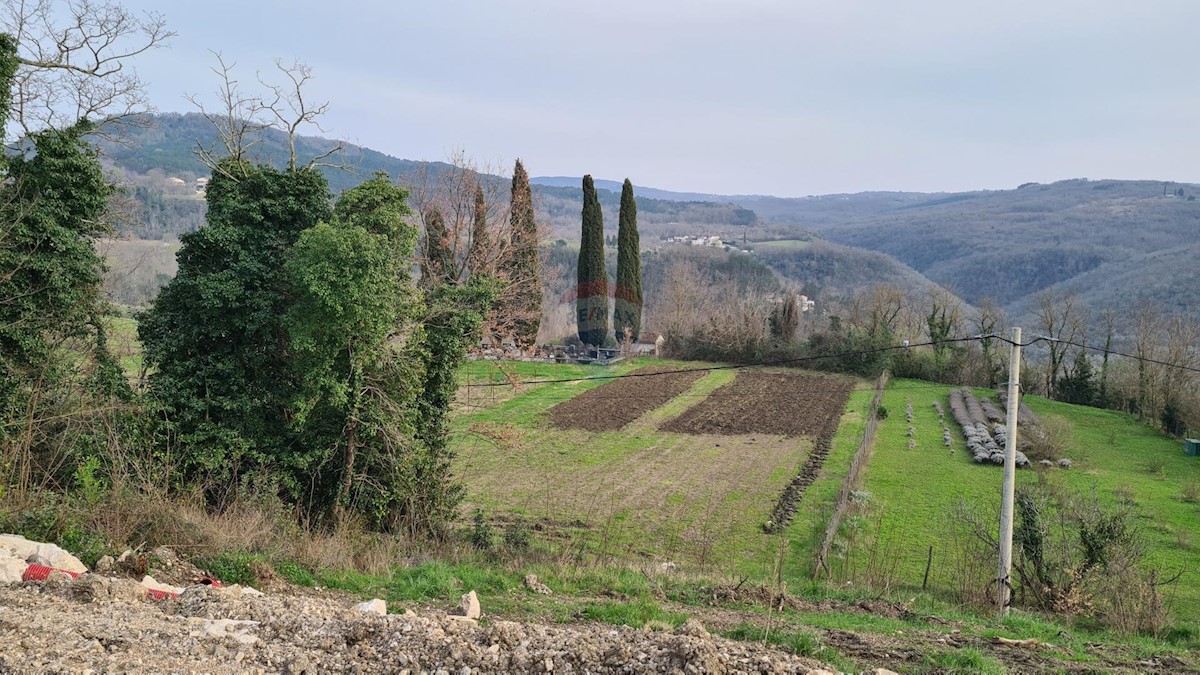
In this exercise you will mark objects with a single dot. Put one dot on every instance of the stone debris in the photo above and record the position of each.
(375, 606)
(52, 629)
(469, 606)
(532, 583)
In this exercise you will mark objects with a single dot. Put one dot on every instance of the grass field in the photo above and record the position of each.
(639, 492)
(914, 493)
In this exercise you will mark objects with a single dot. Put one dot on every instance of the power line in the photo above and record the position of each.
(1145, 359)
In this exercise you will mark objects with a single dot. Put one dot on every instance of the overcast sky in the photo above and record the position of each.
(783, 97)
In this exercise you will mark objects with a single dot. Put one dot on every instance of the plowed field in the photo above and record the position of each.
(781, 404)
(612, 406)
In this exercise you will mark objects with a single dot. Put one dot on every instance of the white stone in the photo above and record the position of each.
(469, 606)
(59, 559)
(232, 628)
(17, 545)
(155, 585)
(375, 606)
(11, 568)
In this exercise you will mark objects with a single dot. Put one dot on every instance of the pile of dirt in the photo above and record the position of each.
(46, 628)
(611, 406)
(755, 402)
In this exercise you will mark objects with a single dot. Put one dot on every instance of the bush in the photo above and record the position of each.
(1191, 492)
(481, 531)
(881, 412)
(516, 536)
(1051, 439)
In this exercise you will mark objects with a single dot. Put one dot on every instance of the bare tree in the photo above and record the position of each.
(878, 310)
(74, 61)
(240, 116)
(1062, 319)
(989, 320)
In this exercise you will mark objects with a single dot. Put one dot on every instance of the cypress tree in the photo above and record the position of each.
(480, 241)
(591, 305)
(439, 255)
(524, 267)
(627, 317)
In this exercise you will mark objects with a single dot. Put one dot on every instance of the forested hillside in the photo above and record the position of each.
(1118, 244)
(149, 155)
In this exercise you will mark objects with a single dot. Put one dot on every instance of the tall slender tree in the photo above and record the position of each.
(438, 263)
(591, 304)
(524, 269)
(481, 241)
(627, 315)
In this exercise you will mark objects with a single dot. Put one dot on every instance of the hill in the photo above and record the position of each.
(1117, 243)
(149, 155)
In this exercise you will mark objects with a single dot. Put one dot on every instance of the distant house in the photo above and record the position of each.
(176, 181)
(201, 184)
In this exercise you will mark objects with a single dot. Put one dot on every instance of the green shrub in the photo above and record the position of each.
(516, 536)
(481, 531)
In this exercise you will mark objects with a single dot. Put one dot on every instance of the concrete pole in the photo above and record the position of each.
(1010, 476)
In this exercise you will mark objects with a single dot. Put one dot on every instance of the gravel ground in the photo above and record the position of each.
(92, 625)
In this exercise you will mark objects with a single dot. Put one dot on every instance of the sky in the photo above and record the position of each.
(784, 97)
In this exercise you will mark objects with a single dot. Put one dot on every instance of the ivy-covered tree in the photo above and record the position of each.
(54, 364)
(350, 411)
(627, 312)
(523, 271)
(216, 339)
(591, 304)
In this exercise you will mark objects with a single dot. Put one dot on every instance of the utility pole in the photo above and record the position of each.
(1003, 586)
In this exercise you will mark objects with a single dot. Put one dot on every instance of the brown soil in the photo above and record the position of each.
(611, 406)
(781, 404)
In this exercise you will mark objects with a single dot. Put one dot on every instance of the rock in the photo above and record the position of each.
(375, 606)
(883, 671)
(228, 628)
(150, 583)
(59, 559)
(532, 583)
(469, 606)
(99, 588)
(58, 578)
(19, 546)
(693, 628)
(11, 568)
(106, 564)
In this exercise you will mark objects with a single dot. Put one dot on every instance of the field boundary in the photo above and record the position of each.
(857, 465)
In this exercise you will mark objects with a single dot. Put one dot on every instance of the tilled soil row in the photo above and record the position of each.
(789, 500)
(612, 406)
(781, 404)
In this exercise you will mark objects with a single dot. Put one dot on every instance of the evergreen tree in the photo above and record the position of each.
(523, 271)
(477, 254)
(216, 339)
(627, 315)
(1079, 385)
(437, 265)
(785, 318)
(591, 305)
